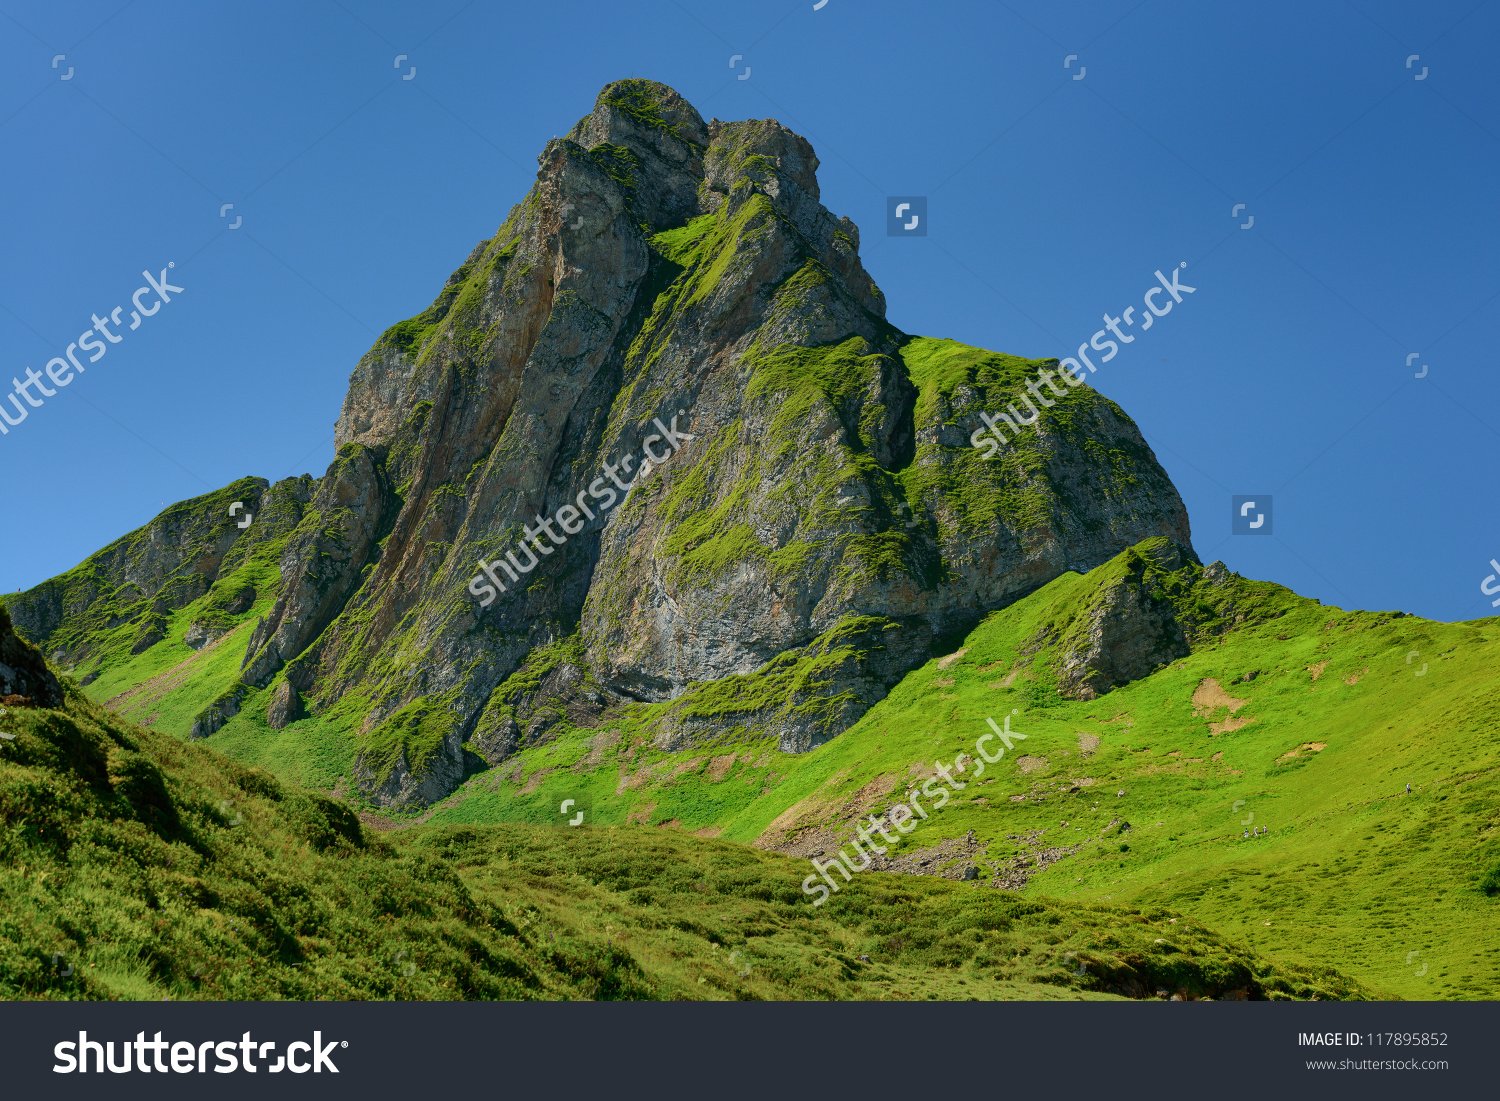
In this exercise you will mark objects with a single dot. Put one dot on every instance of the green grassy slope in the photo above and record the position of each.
(1353, 871)
(134, 865)
(96, 618)
(167, 685)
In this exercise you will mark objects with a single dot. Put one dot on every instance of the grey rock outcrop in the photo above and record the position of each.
(285, 706)
(213, 717)
(322, 561)
(1128, 636)
(436, 776)
(1130, 629)
(23, 670)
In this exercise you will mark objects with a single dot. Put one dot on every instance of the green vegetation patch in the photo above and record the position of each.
(414, 732)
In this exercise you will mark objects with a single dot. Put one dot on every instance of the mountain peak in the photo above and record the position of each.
(655, 445)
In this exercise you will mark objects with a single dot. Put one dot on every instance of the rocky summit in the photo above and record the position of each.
(655, 443)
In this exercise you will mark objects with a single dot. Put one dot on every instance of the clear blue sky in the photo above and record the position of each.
(1051, 200)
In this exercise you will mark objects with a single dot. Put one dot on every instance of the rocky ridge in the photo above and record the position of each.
(823, 523)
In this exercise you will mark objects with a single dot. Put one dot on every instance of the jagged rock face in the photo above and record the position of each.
(562, 693)
(552, 685)
(23, 670)
(321, 562)
(399, 786)
(1130, 635)
(662, 268)
(806, 696)
(814, 522)
(143, 577)
(201, 632)
(1130, 630)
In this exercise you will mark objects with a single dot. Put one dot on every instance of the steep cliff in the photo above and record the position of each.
(115, 603)
(655, 442)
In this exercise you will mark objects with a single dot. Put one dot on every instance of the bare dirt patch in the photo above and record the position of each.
(641, 816)
(1234, 722)
(1354, 678)
(867, 797)
(1209, 696)
(709, 831)
(643, 776)
(534, 781)
(599, 745)
(1031, 764)
(824, 805)
(719, 767)
(1087, 743)
(942, 682)
(1317, 670)
(1310, 747)
(387, 825)
(943, 663)
(378, 822)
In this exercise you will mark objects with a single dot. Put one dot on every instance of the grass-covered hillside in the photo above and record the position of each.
(1289, 717)
(1301, 720)
(136, 865)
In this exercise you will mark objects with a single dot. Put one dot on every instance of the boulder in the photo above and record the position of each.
(285, 706)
